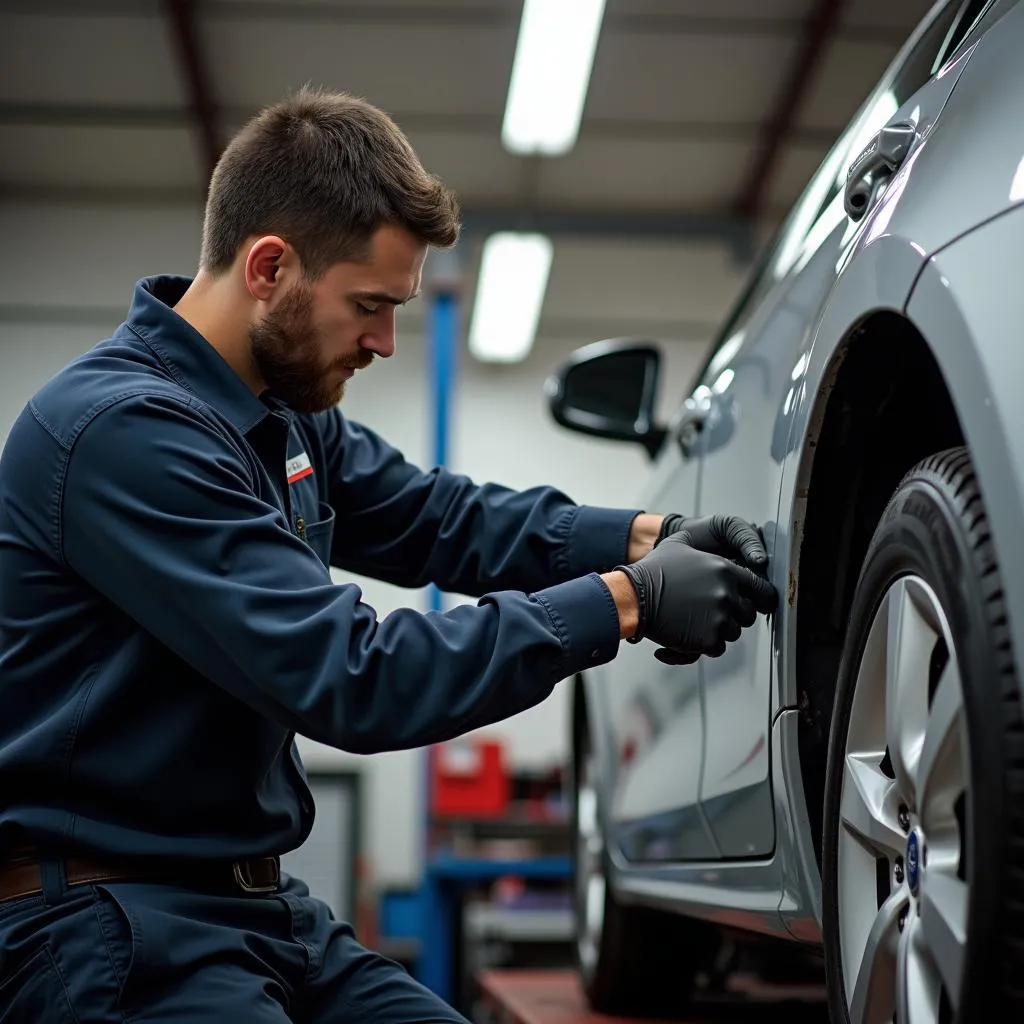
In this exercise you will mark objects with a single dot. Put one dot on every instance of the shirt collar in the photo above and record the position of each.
(193, 362)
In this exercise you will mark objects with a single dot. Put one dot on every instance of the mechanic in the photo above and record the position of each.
(170, 504)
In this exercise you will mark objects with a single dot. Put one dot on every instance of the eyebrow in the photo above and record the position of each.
(384, 297)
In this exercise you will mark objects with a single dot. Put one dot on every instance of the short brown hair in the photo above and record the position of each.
(324, 170)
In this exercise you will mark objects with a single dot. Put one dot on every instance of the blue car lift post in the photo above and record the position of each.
(445, 879)
(446, 876)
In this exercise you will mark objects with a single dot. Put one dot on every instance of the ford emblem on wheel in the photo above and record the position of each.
(913, 861)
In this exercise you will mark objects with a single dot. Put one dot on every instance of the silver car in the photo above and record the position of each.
(849, 775)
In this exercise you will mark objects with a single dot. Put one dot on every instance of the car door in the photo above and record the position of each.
(746, 394)
(654, 720)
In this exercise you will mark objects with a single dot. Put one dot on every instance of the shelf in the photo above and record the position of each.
(447, 866)
(504, 828)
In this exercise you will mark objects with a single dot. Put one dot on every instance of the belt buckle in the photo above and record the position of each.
(242, 871)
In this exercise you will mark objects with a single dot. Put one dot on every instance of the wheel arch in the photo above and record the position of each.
(883, 405)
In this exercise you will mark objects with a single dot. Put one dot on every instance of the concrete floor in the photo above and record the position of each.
(554, 997)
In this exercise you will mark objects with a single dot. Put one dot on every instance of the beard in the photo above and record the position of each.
(285, 351)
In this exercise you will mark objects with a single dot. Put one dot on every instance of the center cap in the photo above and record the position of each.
(914, 861)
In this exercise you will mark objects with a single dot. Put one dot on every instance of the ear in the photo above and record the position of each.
(266, 263)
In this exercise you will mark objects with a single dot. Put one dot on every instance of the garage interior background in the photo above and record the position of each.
(703, 121)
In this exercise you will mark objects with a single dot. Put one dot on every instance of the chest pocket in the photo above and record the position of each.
(316, 529)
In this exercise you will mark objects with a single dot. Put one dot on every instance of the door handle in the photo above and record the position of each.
(691, 420)
(877, 162)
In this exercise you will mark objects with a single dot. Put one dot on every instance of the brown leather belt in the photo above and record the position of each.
(21, 874)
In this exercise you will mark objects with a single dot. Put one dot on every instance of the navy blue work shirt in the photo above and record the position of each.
(168, 621)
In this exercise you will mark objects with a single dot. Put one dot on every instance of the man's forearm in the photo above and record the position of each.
(626, 604)
(642, 535)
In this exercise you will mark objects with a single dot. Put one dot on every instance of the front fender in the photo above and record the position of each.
(969, 306)
(879, 276)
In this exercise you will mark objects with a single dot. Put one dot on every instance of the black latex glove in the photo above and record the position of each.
(692, 602)
(729, 536)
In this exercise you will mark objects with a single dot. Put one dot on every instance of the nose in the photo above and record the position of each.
(381, 340)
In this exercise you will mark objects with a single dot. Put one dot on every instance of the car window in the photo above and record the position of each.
(963, 30)
(819, 209)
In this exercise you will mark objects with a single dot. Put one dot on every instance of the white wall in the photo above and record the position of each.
(66, 282)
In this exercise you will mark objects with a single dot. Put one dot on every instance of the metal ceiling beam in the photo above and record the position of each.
(413, 122)
(477, 220)
(737, 234)
(413, 320)
(779, 126)
(181, 21)
(457, 16)
(440, 14)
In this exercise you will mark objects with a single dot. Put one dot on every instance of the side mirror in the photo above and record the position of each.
(609, 389)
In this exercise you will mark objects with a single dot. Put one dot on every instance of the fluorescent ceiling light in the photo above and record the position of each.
(509, 294)
(550, 75)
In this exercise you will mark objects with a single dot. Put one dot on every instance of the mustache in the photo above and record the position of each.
(361, 363)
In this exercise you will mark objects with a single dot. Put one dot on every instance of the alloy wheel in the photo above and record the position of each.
(902, 873)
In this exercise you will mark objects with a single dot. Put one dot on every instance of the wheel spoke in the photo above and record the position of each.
(870, 806)
(918, 988)
(943, 922)
(902, 716)
(910, 642)
(874, 993)
(940, 770)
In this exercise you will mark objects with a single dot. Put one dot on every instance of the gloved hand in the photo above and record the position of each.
(693, 602)
(729, 536)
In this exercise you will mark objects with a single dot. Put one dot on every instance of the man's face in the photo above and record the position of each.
(319, 333)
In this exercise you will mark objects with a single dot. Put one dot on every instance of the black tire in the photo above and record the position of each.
(935, 528)
(647, 961)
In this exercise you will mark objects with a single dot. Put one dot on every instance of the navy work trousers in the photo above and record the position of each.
(140, 952)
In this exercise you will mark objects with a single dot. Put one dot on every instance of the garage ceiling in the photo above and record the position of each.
(701, 114)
